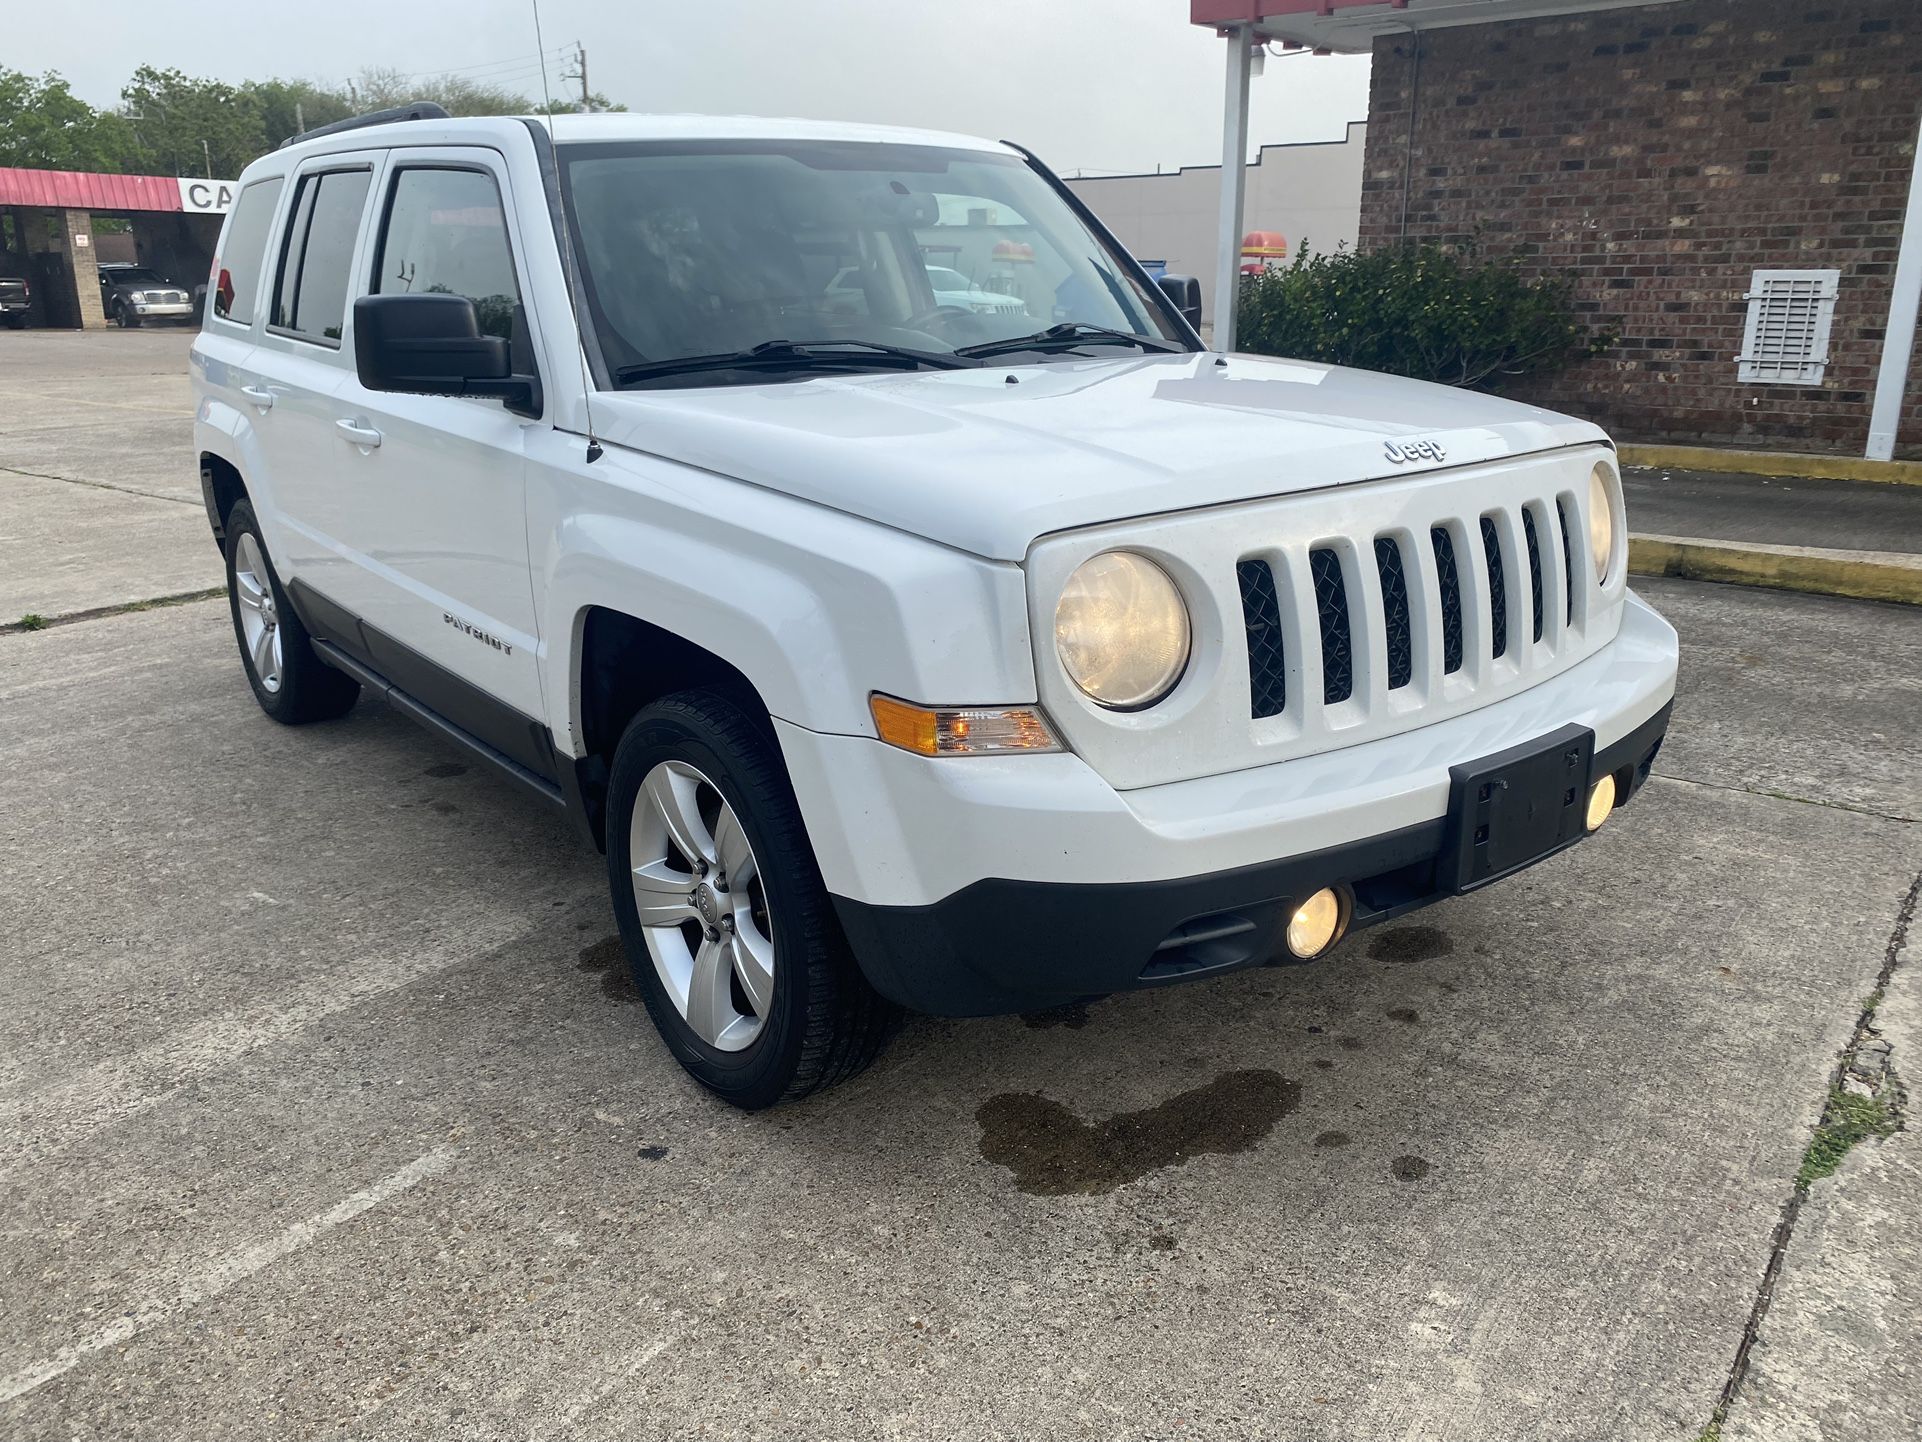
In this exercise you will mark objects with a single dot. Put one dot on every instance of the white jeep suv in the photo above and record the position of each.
(897, 653)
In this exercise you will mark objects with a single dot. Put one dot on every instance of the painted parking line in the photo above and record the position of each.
(112, 1091)
(223, 1273)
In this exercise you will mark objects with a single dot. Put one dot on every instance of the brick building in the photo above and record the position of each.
(1727, 180)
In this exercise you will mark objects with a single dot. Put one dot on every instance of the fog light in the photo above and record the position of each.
(1315, 924)
(1601, 801)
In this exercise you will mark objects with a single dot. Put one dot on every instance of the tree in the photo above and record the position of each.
(288, 105)
(381, 87)
(569, 104)
(187, 125)
(45, 126)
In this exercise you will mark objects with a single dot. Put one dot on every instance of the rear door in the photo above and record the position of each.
(233, 394)
(304, 361)
(433, 488)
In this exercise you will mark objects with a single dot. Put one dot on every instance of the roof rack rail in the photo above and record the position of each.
(415, 110)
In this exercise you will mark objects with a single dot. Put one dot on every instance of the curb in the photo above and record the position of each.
(1773, 463)
(1860, 575)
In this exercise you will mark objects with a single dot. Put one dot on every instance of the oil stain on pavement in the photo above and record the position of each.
(1411, 943)
(609, 958)
(1054, 1153)
(1073, 1015)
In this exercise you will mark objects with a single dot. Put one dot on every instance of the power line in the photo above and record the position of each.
(519, 62)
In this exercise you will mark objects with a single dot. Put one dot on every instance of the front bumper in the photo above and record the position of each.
(167, 310)
(981, 885)
(1001, 945)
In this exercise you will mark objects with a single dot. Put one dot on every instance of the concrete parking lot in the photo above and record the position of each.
(326, 1109)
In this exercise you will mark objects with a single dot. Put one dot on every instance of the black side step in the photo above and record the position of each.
(435, 722)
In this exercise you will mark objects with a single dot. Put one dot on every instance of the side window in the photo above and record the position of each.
(243, 253)
(310, 297)
(445, 234)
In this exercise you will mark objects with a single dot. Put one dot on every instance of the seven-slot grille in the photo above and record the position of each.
(1334, 617)
(1398, 567)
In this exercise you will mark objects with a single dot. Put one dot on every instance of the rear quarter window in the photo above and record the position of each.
(243, 251)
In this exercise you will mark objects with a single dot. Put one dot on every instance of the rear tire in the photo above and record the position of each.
(784, 1010)
(291, 682)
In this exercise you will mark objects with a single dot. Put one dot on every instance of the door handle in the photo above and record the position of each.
(260, 396)
(357, 434)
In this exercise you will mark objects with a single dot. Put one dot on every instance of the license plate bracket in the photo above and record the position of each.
(1516, 807)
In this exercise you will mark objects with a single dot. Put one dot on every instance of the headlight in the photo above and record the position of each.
(1601, 520)
(1121, 630)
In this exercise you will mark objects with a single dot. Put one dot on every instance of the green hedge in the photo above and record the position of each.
(1417, 310)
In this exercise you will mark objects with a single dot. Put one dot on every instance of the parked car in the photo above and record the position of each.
(132, 295)
(16, 300)
(953, 288)
(847, 292)
(916, 658)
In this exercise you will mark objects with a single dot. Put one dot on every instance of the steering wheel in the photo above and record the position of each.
(935, 318)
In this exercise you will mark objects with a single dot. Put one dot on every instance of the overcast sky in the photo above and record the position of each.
(1096, 85)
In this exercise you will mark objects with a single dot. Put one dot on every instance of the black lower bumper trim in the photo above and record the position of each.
(1003, 946)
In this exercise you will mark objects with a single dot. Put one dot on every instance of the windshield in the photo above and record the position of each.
(133, 275)
(713, 248)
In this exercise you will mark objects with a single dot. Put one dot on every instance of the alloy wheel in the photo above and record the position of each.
(259, 615)
(702, 905)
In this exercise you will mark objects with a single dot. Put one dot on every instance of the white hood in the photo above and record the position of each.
(985, 463)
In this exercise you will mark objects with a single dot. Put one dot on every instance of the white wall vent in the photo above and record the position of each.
(1787, 338)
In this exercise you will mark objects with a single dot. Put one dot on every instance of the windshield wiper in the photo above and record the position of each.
(791, 355)
(1067, 336)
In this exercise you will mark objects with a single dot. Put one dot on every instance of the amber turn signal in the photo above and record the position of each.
(960, 730)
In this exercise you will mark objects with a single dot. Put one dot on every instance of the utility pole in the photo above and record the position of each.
(579, 72)
(300, 119)
(206, 154)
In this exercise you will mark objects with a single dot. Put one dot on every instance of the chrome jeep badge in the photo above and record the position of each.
(1406, 452)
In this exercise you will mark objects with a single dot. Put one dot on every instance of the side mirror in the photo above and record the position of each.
(431, 345)
(1185, 292)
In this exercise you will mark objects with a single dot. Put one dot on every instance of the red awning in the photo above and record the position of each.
(1246, 12)
(83, 190)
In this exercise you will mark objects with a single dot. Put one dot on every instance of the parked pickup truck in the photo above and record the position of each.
(908, 655)
(132, 295)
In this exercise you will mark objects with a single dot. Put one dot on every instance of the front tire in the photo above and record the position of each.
(728, 928)
(126, 319)
(291, 682)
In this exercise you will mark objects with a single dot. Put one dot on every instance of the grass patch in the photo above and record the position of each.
(1846, 1120)
(34, 621)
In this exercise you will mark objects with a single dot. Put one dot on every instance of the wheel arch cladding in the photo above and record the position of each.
(221, 487)
(626, 663)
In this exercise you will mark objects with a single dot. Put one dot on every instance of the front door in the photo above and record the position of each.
(434, 486)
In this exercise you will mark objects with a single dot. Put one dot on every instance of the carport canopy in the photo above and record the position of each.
(1353, 26)
(112, 194)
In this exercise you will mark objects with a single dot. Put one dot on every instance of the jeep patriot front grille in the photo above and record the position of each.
(1334, 617)
(1401, 610)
